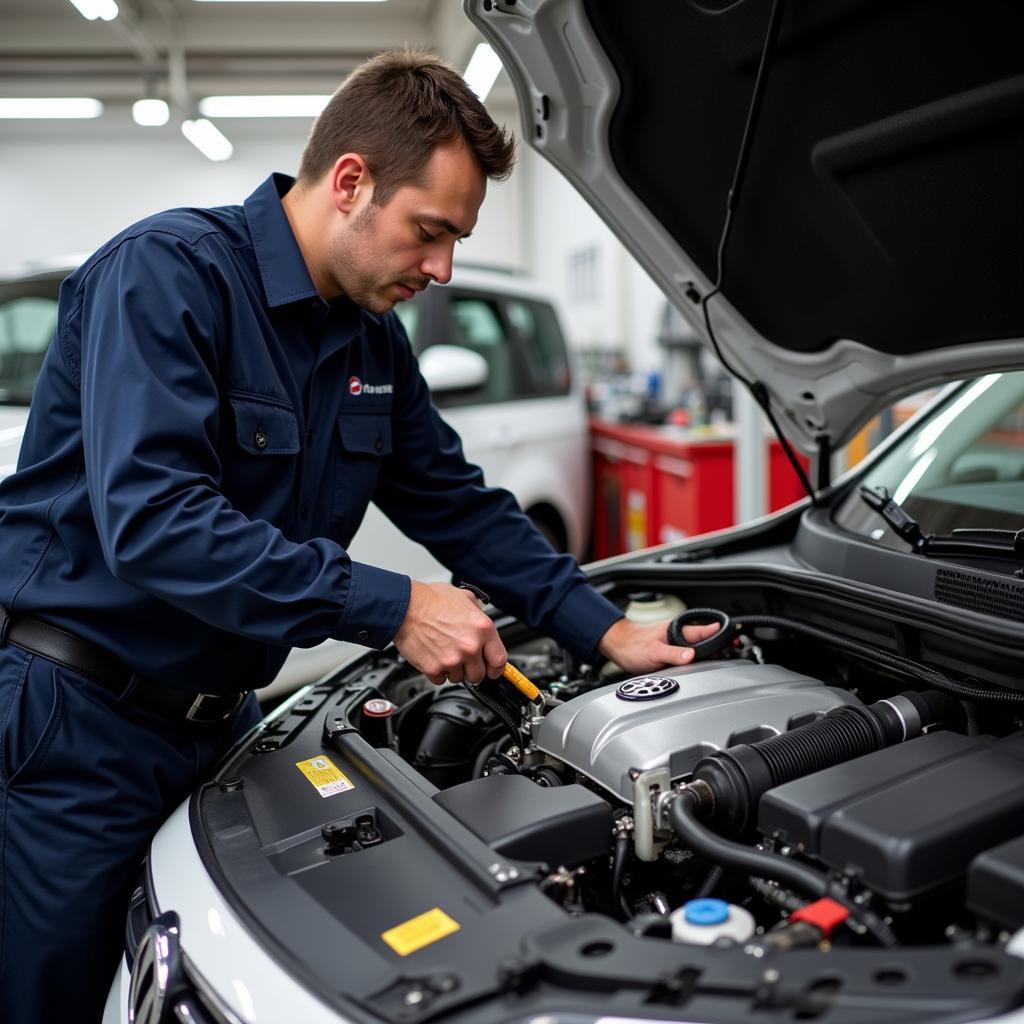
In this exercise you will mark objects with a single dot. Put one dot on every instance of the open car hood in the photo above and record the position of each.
(877, 245)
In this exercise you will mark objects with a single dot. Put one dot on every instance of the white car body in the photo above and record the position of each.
(12, 427)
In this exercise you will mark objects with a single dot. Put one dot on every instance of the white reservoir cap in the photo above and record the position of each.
(704, 922)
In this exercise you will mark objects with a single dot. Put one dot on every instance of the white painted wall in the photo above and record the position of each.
(67, 188)
(70, 189)
(626, 309)
(69, 193)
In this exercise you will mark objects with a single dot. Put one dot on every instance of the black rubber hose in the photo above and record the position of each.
(683, 820)
(935, 679)
(740, 775)
(841, 735)
(682, 816)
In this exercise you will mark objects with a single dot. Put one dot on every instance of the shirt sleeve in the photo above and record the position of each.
(433, 494)
(153, 320)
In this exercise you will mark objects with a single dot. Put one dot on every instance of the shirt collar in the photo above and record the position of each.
(282, 268)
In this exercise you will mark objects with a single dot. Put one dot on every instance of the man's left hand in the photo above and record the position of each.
(644, 647)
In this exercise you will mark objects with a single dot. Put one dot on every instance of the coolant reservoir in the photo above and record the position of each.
(647, 606)
(703, 922)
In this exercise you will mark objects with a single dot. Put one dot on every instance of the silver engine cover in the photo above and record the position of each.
(718, 703)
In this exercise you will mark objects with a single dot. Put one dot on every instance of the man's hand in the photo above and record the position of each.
(446, 636)
(639, 648)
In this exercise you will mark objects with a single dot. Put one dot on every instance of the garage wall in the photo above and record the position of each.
(67, 189)
(69, 195)
(608, 300)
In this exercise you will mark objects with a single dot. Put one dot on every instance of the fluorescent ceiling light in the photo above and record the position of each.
(205, 136)
(93, 9)
(262, 106)
(76, 106)
(150, 113)
(482, 70)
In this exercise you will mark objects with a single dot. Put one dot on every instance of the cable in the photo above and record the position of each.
(743, 157)
(756, 388)
(934, 678)
(498, 710)
(711, 882)
(619, 904)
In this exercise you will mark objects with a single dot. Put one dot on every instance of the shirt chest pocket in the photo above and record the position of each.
(261, 457)
(364, 439)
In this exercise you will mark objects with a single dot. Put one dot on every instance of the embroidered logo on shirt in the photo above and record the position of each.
(357, 387)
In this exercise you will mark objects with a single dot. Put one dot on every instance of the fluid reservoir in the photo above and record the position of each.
(376, 725)
(648, 606)
(703, 922)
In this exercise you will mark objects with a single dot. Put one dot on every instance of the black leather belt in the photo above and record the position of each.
(89, 660)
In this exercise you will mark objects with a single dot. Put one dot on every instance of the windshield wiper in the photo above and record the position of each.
(991, 542)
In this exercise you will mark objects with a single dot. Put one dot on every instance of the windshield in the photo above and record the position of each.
(28, 316)
(962, 467)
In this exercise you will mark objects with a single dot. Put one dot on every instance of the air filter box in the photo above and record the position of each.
(909, 818)
(561, 825)
(995, 883)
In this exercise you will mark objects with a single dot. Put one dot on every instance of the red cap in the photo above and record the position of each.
(378, 708)
(825, 915)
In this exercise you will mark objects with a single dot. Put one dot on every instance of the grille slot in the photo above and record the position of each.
(1003, 598)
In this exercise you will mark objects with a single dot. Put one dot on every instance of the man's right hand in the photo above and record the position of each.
(446, 635)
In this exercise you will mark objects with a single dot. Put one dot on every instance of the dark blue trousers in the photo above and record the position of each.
(85, 782)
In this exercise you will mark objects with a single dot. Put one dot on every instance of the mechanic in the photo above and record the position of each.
(226, 391)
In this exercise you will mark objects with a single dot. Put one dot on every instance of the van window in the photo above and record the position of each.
(475, 323)
(409, 315)
(26, 326)
(542, 345)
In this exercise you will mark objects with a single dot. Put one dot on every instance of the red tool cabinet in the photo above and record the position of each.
(656, 484)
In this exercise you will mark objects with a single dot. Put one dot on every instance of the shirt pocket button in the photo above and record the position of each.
(259, 439)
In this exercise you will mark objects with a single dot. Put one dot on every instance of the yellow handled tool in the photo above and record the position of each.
(520, 682)
(510, 672)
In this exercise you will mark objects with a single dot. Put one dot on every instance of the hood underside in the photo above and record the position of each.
(877, 244)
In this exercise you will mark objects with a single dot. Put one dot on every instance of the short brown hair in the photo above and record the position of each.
(393, 110)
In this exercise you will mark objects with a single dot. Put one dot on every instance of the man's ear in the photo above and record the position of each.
(351, 182)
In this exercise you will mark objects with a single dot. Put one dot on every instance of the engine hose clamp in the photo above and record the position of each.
(702, 617)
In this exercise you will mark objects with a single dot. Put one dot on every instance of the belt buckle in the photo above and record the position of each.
(195, 713)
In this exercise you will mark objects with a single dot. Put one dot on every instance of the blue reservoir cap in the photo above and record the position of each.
(706, 912)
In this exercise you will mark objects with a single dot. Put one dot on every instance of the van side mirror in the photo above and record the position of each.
(453, 368)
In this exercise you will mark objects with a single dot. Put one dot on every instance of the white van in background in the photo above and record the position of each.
(491, 349)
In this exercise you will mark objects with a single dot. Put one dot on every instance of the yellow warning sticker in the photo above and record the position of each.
(325, 776)
(420, 931)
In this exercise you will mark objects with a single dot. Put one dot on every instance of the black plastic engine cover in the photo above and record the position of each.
(995, 884)
(563, 825)
(909, 818)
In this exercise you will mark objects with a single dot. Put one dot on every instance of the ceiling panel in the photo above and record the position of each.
(48, 48)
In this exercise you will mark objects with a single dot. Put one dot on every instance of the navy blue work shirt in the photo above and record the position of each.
(204, 439)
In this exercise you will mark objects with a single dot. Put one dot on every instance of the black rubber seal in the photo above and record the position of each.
(702, 617)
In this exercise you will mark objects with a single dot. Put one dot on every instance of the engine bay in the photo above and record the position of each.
(803, 792)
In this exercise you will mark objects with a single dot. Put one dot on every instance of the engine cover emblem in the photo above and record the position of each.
(647, 688)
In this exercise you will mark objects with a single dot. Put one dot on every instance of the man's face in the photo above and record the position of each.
(384, 254)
